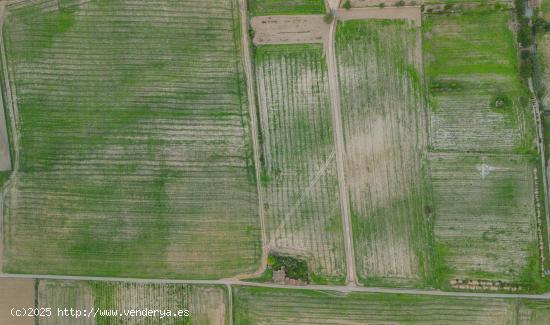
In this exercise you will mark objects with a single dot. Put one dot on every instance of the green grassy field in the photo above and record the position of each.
(206, 304)
(384, 114)
(280, 306)
(485, 225)
(482, 135)
(133, 162)
(286, 7)
(471, 62)
(299, 176)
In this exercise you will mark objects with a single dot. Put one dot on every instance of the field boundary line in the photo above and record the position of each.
(230, 302)
(235, 282)
(540, 145)
(11, 98)
(5, 159)
(334, 91)
(11, 110)
(247, 65)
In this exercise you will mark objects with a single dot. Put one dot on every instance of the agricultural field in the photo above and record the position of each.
(280, 306)
(485, 223)
(132, 161)
(384, 116)
(16, 293)
(483, 151)
(478, 101)
(206, 304)
(303, 213)
(286, 7)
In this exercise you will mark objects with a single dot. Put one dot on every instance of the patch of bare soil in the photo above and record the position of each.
(16, 293)
(289, 29)
(408, 13)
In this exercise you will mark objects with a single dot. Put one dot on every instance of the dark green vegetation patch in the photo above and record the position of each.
(294, 267)
(286, 7)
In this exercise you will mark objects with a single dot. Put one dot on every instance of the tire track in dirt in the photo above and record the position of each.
(11, 108)
(230, 303)
(245, 44)
(339, 144)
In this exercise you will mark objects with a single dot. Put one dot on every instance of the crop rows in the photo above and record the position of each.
(485, 224)
(471, 62)
(385, 133)
(299, 176)
(206, 304)
(280, 306)
(133, 161)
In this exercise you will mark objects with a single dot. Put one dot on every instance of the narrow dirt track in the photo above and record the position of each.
(5, 160)
(339, 144)
(245, 43)
(230, 303)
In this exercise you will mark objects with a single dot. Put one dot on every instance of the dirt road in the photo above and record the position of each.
(344, 289)
(5, 160)
(339, 146)
(245, 43)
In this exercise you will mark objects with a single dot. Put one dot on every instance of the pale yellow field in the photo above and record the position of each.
(16, 293)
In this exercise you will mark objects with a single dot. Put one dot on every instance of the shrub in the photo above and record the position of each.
(400, 3)
(347, 5)
(524, 35)
(540, 25)
(501, 101)
(328, 18)
(526, 69)
(381, 5)
(524, 54)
